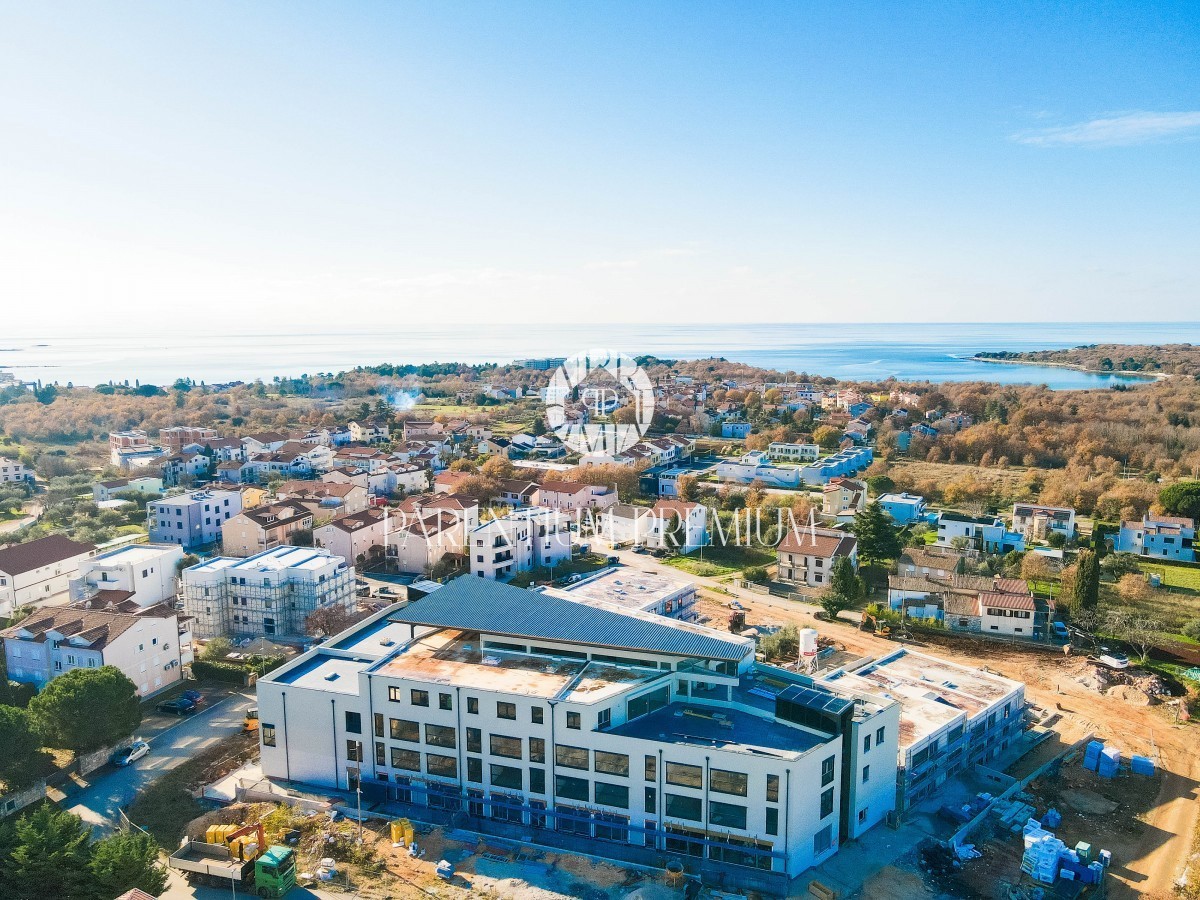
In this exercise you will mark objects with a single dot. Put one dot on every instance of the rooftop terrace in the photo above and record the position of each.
(724, 729)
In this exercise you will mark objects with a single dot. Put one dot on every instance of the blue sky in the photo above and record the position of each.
(469, 162)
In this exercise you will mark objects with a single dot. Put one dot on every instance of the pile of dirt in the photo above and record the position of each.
(1130, 694)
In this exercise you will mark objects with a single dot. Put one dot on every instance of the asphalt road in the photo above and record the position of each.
(111, 788)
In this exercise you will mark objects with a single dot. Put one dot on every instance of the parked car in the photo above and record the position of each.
(195, 696)
(734, 604)
(1060, 630)
(613, 560)
(131, 754)
(638, 548)
(1114, 659)
(180, 706)
(572, 579)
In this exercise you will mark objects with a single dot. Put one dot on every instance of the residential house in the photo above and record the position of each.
(523, 540)
(177, 437)
(1161, 537)
(397, 478)
(144, 645)
(264, 527)
(193, 519)
(236, 471)
(986, 533)
(755, 466)
(736, 430)
(183, 468)
(972, 603)
(365, 459)
(39, 572)
(780, 451)
(417, 429)
(419, 539)
(137, 484)
(356, 538)
(516, 492)
(14, 472)
(370, 431)
(325, 500)
(348, 475)
(1037, 522)
(570, 496)
(940, 561)
(263, 442)
(226, 449)
(807, 553)
(270, 594)
(903, 508)
(691, 530)
(468, 688)
(147, 574)
(494, 446)
(843, 497)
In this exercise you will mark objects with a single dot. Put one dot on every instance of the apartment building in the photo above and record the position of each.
(782, 451)
(326, 500)
(14, 472)
(144, 645)
(1038, 522)
(986, 533)
(569, 496)
(131, 449)
(369, 431)
(755, 466)
(354, 537)
(806, 554)
(39, 573)
(952, 717)
(193, 519)
(270, 594)
(147, 574)
(263, 527)
(634, 589)
(523, 540)
(587, 727)
(419, 538)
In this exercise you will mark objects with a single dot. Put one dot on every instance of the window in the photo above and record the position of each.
(684, 775)
(419, 698)
(728, 815)
(379, 726)
(353, 723)
(354, 751)
(823, 839)
(268, 735)
(648, 703)
(772, 788)
(409, 760)
(867, 744)
(475, 769)
(537, 715)
(440, 736)
(380, 754)
(879, 736)
(404, 730)
(537, 781)
(862, 816)
(474, 740)
(445, 701)
(506, 710)
(651, 799)
(651, 768)
(571, 788)
(604, 719)
(866, 774)
(506, 746)
(725, 782)
(571, 757)
(508, 777)
(612, 795)
(826, 802)
(573, 720)
(772, 820)
(827, 771)
(680, 807)
(611, 763)
(473, 705)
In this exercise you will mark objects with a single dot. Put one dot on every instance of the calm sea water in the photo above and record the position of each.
(910, 352)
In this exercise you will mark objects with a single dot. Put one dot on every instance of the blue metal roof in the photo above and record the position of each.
(813, 698)
(480, 604)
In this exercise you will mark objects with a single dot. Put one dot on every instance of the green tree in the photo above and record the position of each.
(86, 709)
(48, 858)
(844, 581)
(125, 861)
(18, 737)
(878, 537)
(833, 604)
(1085, 585)
(1181, 499)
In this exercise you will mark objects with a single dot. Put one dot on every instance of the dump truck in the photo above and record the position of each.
(237, 856)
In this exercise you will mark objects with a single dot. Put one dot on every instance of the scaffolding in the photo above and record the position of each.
(277, 609)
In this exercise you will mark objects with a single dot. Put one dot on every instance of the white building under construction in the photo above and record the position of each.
(270, 594)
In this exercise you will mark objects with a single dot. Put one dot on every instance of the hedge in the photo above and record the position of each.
(218, 671)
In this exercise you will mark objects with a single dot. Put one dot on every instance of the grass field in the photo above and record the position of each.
(719, 561)
(1011, 481)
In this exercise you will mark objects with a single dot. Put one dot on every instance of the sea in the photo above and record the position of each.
(868, 352)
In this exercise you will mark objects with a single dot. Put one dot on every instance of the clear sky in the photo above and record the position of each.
(257, 163)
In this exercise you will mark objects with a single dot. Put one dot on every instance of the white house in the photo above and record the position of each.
(570, 496)
(136, 484)
(618, 733)
(524, 539)
(39, 573)
(192, 519)
(12, 471)
(145, 573)
(1037, 522)
(806, 554)
(144, 645)
(781, 451)
(842, 497)
(369, 431)
(417, 541)
(354, 535)
(755, 466)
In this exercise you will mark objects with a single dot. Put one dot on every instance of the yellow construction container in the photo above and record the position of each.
(218, 834)
(402, 832)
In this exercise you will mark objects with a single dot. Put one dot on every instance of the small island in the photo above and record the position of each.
(1147, 360)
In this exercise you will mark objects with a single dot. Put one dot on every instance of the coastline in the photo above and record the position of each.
(1135, 376)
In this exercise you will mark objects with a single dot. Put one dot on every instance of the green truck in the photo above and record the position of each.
(270, 874)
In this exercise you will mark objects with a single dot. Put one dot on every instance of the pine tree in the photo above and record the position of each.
(1085, 586)
(49, 858)
(125, 861)
(878, 538)
(844, 581)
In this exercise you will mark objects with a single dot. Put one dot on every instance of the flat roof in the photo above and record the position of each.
(377, 639)
(625, 587)
(135, 553)
(324, 672)
(722, 728)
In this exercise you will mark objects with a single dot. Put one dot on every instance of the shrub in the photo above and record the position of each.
(755, 573)
(219, 671)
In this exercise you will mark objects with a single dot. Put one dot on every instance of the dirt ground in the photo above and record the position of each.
(1149, 860)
